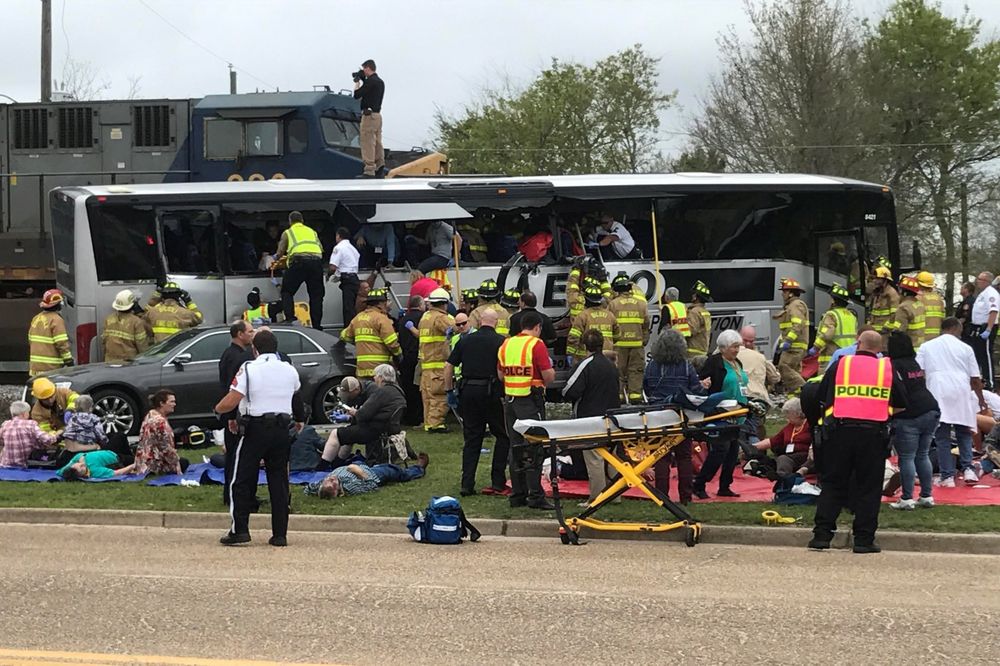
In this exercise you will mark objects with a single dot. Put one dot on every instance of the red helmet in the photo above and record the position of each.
(51, 299)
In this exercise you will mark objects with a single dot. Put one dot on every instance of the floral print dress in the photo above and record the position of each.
(155, 453)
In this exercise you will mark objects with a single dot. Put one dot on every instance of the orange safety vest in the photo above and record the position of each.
(679, 318)
(861, 390)
(515, 360)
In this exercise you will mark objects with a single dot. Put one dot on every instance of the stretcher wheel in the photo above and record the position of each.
(563, 536)
(691, 538)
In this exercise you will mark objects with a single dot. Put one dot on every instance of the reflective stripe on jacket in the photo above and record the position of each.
(794, 324)
(124, 337)
(594, 317)
(434, 348)
(48, 343)
(631, 321)
(700, 322)
(515, 360)
(168, 317)
(374, 339)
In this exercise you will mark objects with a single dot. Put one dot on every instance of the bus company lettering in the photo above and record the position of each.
(862, 391)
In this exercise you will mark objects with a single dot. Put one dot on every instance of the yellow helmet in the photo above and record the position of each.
(43, 388)
(925, 279)
(883, 272)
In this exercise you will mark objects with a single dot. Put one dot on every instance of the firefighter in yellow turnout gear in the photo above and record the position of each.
(434, 352)
(594, 316)
(793, 321)
(124, 335)
(179, 295)
(933, 305)
(372, 334)
(48, 342)
(489, 295)
(909, 316)
(837, 329)
(586, 270)
(882, 302)
(631, 335)
(699, 320)
(168, 316)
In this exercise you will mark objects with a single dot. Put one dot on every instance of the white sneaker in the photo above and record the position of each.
(904, 505)
(946, 483)
(925, 502)
(970, 476)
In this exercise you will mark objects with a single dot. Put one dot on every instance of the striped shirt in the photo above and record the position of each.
(19, 438)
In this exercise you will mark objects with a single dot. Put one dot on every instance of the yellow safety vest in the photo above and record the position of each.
(303, 241)
(515, 357)
(679, 318)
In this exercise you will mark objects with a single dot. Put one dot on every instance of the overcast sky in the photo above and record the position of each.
(430, 54)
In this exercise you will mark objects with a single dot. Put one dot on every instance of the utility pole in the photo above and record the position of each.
(46, 50)
(232, 80)
(963, 196)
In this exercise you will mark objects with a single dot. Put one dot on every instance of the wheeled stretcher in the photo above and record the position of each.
(631, 440)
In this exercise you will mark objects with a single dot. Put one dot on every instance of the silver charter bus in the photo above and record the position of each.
(740, 234)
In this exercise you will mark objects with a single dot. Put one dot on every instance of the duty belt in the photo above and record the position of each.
(477, 382)
(271, 418)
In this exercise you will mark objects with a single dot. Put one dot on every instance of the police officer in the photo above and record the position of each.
(699, 320)
(858, 395)
(631, 335)
(793, 321)
(235, 355)
(124, 335)
(168, 316)
(524, 367)
(264, 390)
(480, 397)
(837, 329)
(300, 243)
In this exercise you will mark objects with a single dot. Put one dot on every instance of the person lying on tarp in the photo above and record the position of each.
(789, 446)
(94, 465)
(357, 479)
(378, 415)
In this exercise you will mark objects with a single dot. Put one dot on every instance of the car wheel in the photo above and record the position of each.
(118, 411)
(326, 400)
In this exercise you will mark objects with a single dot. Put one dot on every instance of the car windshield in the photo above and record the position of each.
(161, 349)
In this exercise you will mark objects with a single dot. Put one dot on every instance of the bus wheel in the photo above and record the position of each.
(117, 410)
(326, 400)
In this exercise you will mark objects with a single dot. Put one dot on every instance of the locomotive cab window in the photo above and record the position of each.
(263, 138)
(223, 138)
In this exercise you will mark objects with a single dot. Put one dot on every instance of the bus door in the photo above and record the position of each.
(839, 257)
(191, 242)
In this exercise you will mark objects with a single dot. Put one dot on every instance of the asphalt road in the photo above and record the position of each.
(365, 599)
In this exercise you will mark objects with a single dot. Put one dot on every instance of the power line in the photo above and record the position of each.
(203, 47)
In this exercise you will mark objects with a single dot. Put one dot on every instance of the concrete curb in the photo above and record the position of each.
(796, 537)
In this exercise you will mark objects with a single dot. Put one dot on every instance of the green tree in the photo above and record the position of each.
(937, 89)
(570, 119)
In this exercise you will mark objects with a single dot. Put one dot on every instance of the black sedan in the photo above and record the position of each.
(188, 363)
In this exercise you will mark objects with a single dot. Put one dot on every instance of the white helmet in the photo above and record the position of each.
(439, 295)
(124, 300)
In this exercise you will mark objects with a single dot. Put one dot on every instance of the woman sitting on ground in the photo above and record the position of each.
(156, 453)
(668, 373)
(790, 445)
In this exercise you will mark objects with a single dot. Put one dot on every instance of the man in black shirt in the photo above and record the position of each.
(238, 353)
(371, 91)
(406, 328)
(528, 303)
(481, 397)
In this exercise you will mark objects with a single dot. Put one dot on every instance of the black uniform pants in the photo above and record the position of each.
(724, 452)
(232, 441)
(851, 468)
(482, 407)
(349, 285)
(984, 354)
(414, 414)
(308, 270)
(267, 440)
(525, 459)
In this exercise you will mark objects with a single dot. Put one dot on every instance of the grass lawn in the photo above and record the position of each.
(443, 478)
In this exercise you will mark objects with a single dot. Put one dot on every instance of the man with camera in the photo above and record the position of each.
(370, 89)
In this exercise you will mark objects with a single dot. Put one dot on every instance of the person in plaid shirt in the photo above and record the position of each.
(20, 436)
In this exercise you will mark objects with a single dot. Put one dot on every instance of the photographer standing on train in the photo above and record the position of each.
(370, 89)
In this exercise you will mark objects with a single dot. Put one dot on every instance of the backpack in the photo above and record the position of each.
(443, 522)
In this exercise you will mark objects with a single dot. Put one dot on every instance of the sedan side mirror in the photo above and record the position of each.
(181, 359)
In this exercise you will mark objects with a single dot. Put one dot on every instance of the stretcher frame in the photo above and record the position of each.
(638, 450)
